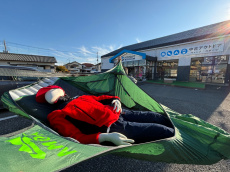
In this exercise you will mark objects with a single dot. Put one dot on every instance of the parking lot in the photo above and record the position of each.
(211, 105)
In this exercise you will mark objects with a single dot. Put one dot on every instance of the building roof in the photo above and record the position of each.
(97, 64)
(74, 62)
(213, 30)
(87, 64)
(27, 58)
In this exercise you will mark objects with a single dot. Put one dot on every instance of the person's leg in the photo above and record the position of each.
(141, 132)
(145, 117)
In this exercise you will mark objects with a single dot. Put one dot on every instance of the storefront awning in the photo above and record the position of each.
(123, 52)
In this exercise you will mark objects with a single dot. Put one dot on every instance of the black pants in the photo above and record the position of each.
(143, 126)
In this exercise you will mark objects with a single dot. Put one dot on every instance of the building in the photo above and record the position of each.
(87, 68)
(41, 63)
(74, 67)
(97, 67)
(197, 55)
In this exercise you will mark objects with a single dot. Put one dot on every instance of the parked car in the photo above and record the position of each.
(5, 74)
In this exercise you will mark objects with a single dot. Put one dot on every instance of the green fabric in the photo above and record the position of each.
(115, 82)
(39, 150)
(8, 103)
(195, 141)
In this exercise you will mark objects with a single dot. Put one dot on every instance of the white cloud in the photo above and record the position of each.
(86, 54)
(65, 57)
(228, 11)
(105, 49)
(90, 60)
(81, 55)
(84, 51)
(90, 53)
(101, 50)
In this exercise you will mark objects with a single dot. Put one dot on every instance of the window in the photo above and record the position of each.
(124, 64)
(130, 63)
(220, 59)
(209, 69)
(142, 62)
(136, 63)
(167, 69)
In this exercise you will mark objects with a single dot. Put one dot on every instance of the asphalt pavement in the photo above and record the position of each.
(211, 105)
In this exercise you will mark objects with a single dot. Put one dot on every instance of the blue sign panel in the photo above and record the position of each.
(184, 51)
(169, 53)
(176, 52)
(163, 54)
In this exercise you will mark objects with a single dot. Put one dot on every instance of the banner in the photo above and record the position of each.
(205, 48)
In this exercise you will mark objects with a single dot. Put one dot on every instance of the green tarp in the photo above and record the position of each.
(195, 141)
(39, 150)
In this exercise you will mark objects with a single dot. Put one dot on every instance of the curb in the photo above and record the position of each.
(177, 86)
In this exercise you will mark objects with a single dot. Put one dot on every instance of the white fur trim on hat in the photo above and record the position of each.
(53, 95)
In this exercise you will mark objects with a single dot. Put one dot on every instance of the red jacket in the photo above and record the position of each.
(85, 108)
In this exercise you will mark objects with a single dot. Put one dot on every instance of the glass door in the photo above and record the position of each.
(167, 69)
(195, 70)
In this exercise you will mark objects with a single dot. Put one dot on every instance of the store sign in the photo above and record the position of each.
(131, 58)
(206, 48)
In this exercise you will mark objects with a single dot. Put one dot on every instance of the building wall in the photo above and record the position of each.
(46, 67)
(185, 59)
(74, 67)
(194, 49)
(227, 74)
(98, 67)
(4, 63)
(105, 64)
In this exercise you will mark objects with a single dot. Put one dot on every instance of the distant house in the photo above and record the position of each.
(97, 67)
(74, 67)
(42, 63)
(87, 68)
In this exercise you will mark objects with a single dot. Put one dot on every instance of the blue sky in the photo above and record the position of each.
(75, 30)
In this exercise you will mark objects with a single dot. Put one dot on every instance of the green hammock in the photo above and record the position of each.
(38, 148)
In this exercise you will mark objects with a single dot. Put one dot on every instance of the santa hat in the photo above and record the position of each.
(49, 94)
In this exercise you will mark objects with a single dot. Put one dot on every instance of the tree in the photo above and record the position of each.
(62, 69)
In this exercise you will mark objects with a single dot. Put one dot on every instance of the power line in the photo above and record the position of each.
(47, 49)
(21, 48)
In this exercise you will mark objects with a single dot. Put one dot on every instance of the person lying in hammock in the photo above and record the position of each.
(98, 119)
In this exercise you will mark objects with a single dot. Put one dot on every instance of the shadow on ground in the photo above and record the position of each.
(214, 100)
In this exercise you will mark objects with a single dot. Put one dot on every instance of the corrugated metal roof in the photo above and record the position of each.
(218, 29)
(27, 58)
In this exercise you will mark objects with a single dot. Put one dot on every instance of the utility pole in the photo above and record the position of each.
(5, 47)
(97, 63)
(97, 57)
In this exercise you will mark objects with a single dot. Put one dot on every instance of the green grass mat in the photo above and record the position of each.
(181, 84)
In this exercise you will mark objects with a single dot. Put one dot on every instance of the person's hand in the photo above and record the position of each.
(117, 105)
(116, 138)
